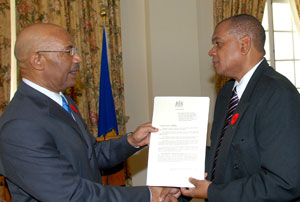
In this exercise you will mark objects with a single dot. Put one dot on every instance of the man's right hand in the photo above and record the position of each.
(161, 194)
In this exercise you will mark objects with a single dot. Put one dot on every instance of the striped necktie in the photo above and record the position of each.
(234, 100)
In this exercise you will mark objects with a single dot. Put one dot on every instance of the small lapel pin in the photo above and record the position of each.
(234, 118)
(74, 109)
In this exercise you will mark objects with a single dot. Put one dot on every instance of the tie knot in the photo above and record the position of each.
(234, 92)
(65, 105)
(234, 100)
(234, 96)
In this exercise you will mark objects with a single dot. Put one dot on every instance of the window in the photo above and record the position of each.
(281, 38)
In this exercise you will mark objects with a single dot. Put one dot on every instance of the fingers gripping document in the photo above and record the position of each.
(177, 150)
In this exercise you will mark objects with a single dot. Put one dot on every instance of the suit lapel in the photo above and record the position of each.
(221, 106)
(59, 113)
(224, 107)
(250, 89)
(85, 134)
(233, 125)
(226, 143)
(54, 109)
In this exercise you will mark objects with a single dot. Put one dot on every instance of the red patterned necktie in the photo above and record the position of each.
(234, 100)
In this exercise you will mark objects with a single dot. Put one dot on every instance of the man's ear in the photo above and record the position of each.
(36, 61)
(245, 43)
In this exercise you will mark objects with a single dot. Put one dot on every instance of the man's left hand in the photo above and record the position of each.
(141, 136)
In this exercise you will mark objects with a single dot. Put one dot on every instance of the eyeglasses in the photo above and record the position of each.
(72, 51)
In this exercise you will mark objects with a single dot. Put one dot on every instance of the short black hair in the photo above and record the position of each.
(245, 24)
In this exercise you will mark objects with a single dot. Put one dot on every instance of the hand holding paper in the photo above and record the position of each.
(141, 135)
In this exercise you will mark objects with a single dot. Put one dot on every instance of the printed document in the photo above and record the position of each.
(177, 150)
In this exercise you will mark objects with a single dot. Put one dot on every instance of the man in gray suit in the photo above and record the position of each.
(46, 152)
(255, 138)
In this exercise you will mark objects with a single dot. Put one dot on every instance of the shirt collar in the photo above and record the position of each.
(52, 95)
(241, 86)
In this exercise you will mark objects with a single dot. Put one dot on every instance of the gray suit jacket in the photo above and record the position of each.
(47, 156)
(259, 158)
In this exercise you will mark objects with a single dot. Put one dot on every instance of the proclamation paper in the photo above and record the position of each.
(177, 151)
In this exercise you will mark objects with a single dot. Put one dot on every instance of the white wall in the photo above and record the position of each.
(165, 46)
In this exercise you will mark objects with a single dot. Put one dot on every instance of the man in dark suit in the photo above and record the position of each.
(255, 151)
(46, 152)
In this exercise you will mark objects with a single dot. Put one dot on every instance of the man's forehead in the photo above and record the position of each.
(221, 31)
(217, 36)
(62, 39)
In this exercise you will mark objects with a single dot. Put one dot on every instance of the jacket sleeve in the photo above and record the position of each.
(33, 165)
(109, 153)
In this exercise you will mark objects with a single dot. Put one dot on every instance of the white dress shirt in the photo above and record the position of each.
(241, 86)
(52, 95)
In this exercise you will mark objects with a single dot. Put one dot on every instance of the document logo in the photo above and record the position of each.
(179, 104)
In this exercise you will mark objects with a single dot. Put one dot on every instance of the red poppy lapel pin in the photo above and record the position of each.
(74, 109)
(234, 118)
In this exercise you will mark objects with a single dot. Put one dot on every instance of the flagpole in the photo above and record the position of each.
(13, 62)
(103, 14)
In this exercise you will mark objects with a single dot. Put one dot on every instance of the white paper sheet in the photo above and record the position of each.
(177, 151)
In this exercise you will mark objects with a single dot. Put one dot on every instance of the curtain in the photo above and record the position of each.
(4, 72)
(227, 8)
(295, 6)
(4, 192)
(4, 54)
(297, 2)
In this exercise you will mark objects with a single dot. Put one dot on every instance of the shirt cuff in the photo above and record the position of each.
(150, 194)
(137, 147)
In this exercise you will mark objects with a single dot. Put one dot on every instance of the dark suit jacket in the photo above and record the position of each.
(259, 158)
(47, 156)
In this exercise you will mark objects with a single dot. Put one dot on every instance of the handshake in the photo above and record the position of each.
(171, 194)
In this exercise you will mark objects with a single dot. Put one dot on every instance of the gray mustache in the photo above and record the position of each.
(75, 67)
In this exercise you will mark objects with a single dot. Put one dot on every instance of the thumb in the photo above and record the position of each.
(193, 181)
